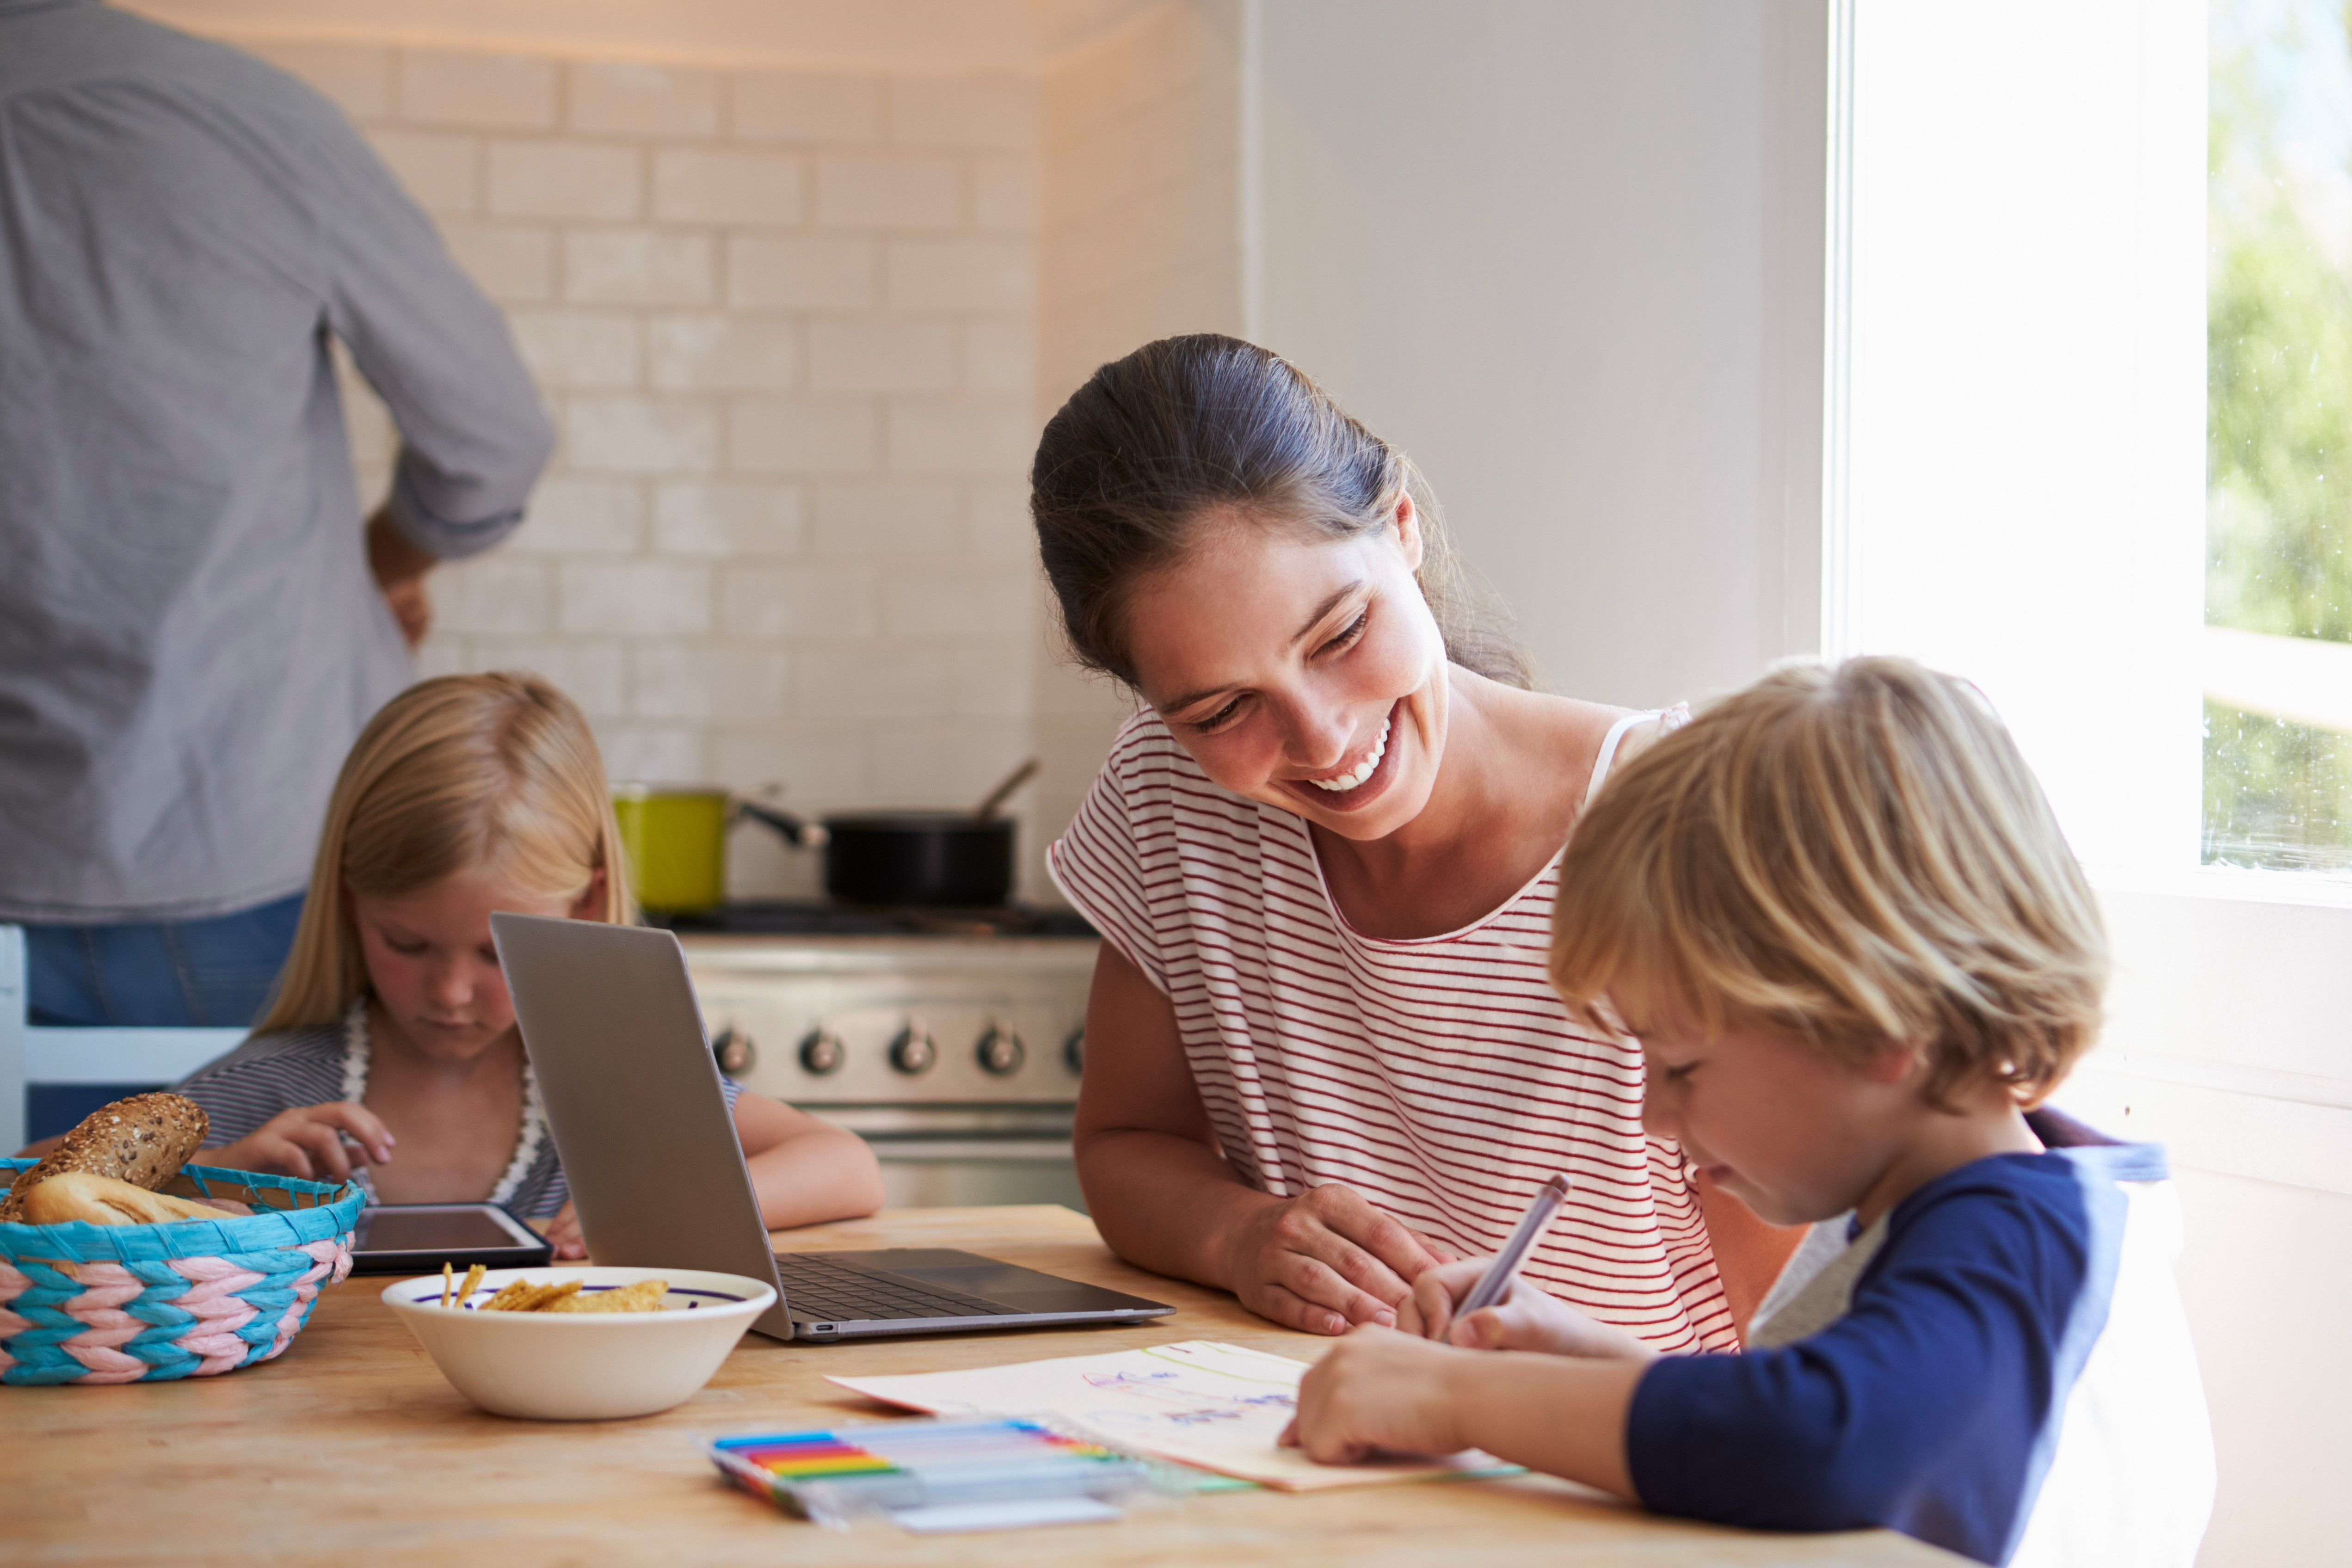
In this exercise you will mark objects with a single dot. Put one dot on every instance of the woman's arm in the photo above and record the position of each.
(804, 1169)
(1165, 1198)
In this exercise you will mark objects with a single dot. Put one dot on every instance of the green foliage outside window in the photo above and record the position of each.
(2279, 411)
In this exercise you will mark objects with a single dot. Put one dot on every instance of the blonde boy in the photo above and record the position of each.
(1838, 913)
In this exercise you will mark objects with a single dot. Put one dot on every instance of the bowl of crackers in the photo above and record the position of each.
(578, 1343)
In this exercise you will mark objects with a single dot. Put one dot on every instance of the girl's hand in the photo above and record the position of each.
(1325, 1259)
(307, 1143)
(1379, 1392)
(1524, 1319)
(563, 1233)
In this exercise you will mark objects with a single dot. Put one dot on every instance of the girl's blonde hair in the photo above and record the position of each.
(494, 774)
(1852, 856)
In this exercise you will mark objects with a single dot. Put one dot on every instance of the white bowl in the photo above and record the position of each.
(582, 1367)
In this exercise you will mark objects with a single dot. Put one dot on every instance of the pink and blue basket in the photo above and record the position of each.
(133, 1303)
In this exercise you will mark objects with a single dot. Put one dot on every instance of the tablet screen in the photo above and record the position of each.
(431, 1230)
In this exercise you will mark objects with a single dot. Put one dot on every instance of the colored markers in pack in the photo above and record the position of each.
(927, 1471)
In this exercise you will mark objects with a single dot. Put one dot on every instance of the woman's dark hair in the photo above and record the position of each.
(1154, 444)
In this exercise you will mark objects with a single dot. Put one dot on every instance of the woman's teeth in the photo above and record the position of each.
(1362, 770)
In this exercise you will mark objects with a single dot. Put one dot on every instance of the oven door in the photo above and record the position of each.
(956, 1156)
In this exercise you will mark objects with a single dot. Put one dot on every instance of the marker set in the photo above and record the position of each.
(906, 1467)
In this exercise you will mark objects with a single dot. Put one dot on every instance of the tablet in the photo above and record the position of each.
(418, 1238)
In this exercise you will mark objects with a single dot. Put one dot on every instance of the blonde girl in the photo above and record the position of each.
(390, 1052)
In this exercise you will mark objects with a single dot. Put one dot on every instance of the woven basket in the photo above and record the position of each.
(129, 1303)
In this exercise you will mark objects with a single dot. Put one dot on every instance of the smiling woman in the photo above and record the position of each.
(1321, 1051)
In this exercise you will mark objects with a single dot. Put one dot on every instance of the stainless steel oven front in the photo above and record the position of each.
(956, 1058)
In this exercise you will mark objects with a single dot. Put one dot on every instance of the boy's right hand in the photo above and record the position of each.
(307, 1143)
(1524, 1319)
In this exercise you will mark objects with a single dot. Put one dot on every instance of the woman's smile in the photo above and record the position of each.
(1358, 785)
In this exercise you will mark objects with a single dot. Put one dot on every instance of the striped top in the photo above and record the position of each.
(292, 1068)
(1438, 1076)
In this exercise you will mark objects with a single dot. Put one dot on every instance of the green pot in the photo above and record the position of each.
(675, 839)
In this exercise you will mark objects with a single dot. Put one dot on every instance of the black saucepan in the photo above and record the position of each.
(942, 860)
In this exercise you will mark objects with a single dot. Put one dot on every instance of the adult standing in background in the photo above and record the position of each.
(193, 623)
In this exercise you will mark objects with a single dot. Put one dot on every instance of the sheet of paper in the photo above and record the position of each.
(1219, 1407)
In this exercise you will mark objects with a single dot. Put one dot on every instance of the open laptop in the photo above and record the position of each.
(633, 1097)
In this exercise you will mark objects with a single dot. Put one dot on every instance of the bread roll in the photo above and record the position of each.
(103, 1201)
(143, 1140)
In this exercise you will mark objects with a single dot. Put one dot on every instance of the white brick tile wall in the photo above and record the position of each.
(763, 603)
(630, 98)
(961, 274)
(786, 323)
(358, 77)
(728, 519)
(565, 180)
(710, 681)
(888, 191)
(772, 273)
(438, 88)
(906, 520)
(640, 435)
(1005, 194)
(806, 106)
(888, 354)
(804, 436)
(699, 185)
(964, 111)
(441, 169)
(638, 267)
(642, 598)
(961, 435)
(580, 347)
(513, 263)
(725, 354)
(576, 516)
(593, 674)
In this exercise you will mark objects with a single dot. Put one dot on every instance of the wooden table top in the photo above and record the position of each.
(351, 1447)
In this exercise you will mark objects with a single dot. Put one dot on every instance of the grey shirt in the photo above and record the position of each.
(189, 637)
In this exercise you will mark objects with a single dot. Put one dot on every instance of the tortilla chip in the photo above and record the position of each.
(644, 1296)
(523, 1296)
(473, 1283)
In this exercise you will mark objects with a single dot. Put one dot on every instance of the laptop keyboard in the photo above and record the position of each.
(818, 1289)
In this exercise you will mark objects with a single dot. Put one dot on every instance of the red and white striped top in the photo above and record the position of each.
(1438, 1076)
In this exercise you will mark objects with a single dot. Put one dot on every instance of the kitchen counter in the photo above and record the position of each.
(351, 1447)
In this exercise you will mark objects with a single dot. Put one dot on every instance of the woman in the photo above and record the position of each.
(1321, 1054)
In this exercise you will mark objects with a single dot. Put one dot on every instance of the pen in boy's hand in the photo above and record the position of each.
(1496, 1281)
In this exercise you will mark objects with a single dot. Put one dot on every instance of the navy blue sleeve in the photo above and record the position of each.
(1926, 1409)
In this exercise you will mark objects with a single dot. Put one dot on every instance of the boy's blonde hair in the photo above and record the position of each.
(1850, 856)
(495, 774)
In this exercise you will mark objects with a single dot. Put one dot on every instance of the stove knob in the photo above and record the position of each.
(1001, 1052)
(912, 1053)
(822, 1052)
(735, 1052)
(1074, 1051)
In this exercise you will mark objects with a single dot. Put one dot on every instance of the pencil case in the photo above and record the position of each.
(194, 1298)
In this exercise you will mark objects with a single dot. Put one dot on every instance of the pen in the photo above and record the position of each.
(1497, 1277)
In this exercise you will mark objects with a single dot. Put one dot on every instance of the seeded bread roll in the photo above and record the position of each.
(103, 1201)
(143, 1140)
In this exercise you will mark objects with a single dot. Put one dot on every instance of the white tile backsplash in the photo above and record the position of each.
(630, 98)
(726, 185)
(588, 180)
(435, 87)
(639, 267)
(888, 191)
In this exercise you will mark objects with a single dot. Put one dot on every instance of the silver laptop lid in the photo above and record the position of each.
(633, 1100)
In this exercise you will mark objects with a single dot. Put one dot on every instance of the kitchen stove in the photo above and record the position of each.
(952, 1041)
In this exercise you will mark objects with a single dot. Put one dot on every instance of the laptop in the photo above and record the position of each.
(633, 1097)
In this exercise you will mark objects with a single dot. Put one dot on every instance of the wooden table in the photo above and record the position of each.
(350, 1446)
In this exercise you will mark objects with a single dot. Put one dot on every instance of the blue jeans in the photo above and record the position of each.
(174, 974)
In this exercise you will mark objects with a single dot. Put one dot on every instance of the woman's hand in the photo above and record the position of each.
(1325, 1259)
(1379, 1392)
(1524, 1319)
(564, 1233)
(312, 1143)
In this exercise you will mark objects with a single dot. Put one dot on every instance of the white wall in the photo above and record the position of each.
(1533, 243)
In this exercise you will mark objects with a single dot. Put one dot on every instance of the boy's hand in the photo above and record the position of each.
(1379, 1392)
(1524, 1319)
(312, 1143)
(563, 1233)
(1327, 1258)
